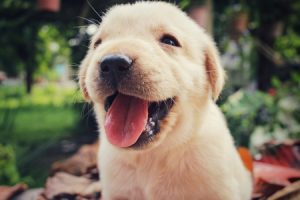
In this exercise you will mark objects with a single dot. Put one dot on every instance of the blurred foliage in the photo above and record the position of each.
(183, 4)
(276, 110)
(35, 39)
(287, 99)
(50, 95)
(31, 124)
(13, 35)
(260, 13)
(244, 110)
(53, 49)
(17, 4)
(288, 46)
(47, 112)
(8, 173)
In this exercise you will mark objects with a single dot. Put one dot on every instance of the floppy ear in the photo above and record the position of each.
(214, 70)
(82, 76)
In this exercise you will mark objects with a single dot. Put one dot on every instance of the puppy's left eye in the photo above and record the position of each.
(169, 40)
(97, 43)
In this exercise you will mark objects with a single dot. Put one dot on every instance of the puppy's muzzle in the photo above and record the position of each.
(114, 67)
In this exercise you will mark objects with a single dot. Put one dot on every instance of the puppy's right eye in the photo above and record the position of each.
(97, 43)
(169, 40)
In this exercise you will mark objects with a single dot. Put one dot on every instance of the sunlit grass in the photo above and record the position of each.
(31, 124)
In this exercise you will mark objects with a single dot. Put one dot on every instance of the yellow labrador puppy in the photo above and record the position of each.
(153, 76)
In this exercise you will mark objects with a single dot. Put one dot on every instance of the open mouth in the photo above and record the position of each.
(133, 122)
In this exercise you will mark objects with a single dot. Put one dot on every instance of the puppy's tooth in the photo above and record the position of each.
(150, 132)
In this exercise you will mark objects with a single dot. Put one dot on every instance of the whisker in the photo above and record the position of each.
(74, 64)
(89, 3)
(84, 46)
(88, 20)
(78, 27)
(89, 109)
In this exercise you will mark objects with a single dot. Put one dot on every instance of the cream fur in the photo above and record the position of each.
(193, 156)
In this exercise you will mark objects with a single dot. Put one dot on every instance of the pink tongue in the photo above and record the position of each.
(126, 120)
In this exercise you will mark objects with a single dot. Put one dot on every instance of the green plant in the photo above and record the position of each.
(288, 46)
(8, 174)
(276, 113)
(32, 124)
(287, 99)
(244, 110)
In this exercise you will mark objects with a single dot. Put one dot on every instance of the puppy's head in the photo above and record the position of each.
(148, 68)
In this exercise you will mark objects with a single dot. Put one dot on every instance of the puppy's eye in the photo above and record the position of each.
(169, 40)
(97, 43)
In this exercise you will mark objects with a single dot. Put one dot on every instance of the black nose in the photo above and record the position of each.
(114, 66)
(115, 63)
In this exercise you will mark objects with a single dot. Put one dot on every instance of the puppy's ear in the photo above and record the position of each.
(82, 76)
(214, 70)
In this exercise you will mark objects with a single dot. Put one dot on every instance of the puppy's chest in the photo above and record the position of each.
(153, 179)
(133, 182)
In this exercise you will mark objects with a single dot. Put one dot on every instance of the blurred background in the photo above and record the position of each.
(43, 118)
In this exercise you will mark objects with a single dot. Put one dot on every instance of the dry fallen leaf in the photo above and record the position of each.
(274, 174)
(284, 154)
(291, 192)
(80, 162)
(63, 184)
(7, 192)
(277, 168)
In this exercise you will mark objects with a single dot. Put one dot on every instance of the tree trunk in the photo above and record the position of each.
(29, 80)
(30, 57)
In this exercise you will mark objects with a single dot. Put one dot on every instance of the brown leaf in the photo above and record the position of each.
(277, 168)
(264, 189)
(80, 163)
(8, 192)
(274, 174)
(291, 192)
(63, 184)
(284, 154)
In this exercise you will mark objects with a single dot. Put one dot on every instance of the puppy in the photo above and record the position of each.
(153, 75)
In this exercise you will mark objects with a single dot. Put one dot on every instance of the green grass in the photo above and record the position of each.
(47, 113)
(33, 124)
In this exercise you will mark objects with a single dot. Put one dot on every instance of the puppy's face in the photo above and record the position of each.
(147, 64)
